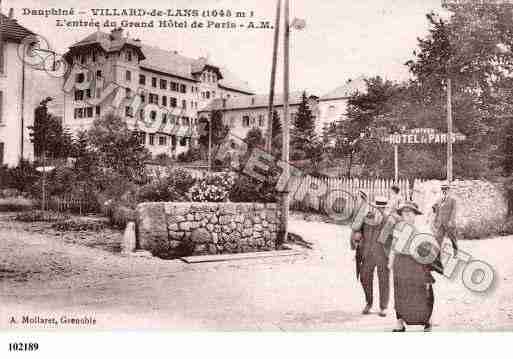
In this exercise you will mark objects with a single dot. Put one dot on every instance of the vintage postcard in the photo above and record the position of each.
(278, 165)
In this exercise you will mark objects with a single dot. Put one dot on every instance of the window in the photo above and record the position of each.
(245, 121)
(154, 98)
(162, 140)
(172, 101)
(83, 59)
(153, 82)
(261, 120)
(164, 100)
(164, 119)
(80, 78)
(88, 93)
(142, 138)
(98, 74)
(97, 110)
(183, 141)
(184, 104)
(79, 95)
(152, 139)
(128, 56)
(142, 80)
(128, 76)
(143, 98)
(174, 86)
(94, 57)
(207, 95)
(183, 88)
(153, 115)
(1, 153)
(89, 112)
(163, 84)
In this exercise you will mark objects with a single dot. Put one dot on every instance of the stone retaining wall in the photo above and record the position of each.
(482, 206)
(171, 230)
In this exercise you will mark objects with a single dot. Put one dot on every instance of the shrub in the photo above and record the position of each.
(247, 189)
(78, 225)
(15, 204)
(191, 155)
(173, 187)
(41, 216)
(212, 188)
(21, 178)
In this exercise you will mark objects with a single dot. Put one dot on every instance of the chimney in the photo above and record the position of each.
(11, 13)
(116, 34)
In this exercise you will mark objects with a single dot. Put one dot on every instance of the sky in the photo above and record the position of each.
(342, 39)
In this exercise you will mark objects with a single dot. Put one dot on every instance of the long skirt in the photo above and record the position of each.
(413, 290)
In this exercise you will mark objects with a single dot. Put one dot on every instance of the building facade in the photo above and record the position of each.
(244, 113)
(158, 92)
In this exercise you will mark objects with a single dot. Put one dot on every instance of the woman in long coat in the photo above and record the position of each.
(413, 290)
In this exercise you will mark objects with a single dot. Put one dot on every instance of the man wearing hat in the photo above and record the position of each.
(371, 254)
(395, 198)
(444, 223)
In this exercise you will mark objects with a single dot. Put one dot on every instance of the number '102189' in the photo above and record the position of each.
(23, 347)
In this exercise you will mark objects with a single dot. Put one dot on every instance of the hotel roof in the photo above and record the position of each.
(165, 61)
(250, 102)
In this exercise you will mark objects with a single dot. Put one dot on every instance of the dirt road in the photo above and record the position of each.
(43, 277)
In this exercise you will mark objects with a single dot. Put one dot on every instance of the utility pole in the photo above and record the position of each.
(273, 79)
(396, 163)
(286, 124)
(210, 144)
(449, 130)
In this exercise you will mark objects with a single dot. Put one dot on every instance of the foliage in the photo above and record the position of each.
(15, 204)
(191, 155)
(213, 188)
(116, 148)
(47, 134)
(219, 129)
(303, 137)
(41, 216)
(172, 187)
(248, 189)
(21, 177)
(78, 225)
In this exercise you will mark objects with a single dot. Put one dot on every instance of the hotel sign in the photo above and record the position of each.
(422, 136)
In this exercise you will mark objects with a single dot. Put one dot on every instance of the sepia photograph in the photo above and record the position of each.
(283, 166)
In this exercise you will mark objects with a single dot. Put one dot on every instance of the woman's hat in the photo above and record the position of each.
(412, 206)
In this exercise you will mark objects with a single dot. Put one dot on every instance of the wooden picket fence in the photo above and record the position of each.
(69, 203)
(341, 194)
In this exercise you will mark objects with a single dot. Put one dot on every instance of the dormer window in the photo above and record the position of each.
(128, 56)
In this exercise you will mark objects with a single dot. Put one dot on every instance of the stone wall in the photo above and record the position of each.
(482, 206)
(170, 230)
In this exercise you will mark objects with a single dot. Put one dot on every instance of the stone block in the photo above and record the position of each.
(200, 235)
(185, 226)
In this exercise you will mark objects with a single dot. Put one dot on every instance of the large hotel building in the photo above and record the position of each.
(158, 92)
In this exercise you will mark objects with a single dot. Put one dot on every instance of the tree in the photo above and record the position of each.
(117, 148)
(303, 131)
(50, 139)
(218, 128)
(254, 138)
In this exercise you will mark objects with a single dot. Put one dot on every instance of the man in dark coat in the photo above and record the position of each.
(444, 223)
(372, 254)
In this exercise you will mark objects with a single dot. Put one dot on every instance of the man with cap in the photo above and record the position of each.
(372, 255)
(444, 223)
(395, 198)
